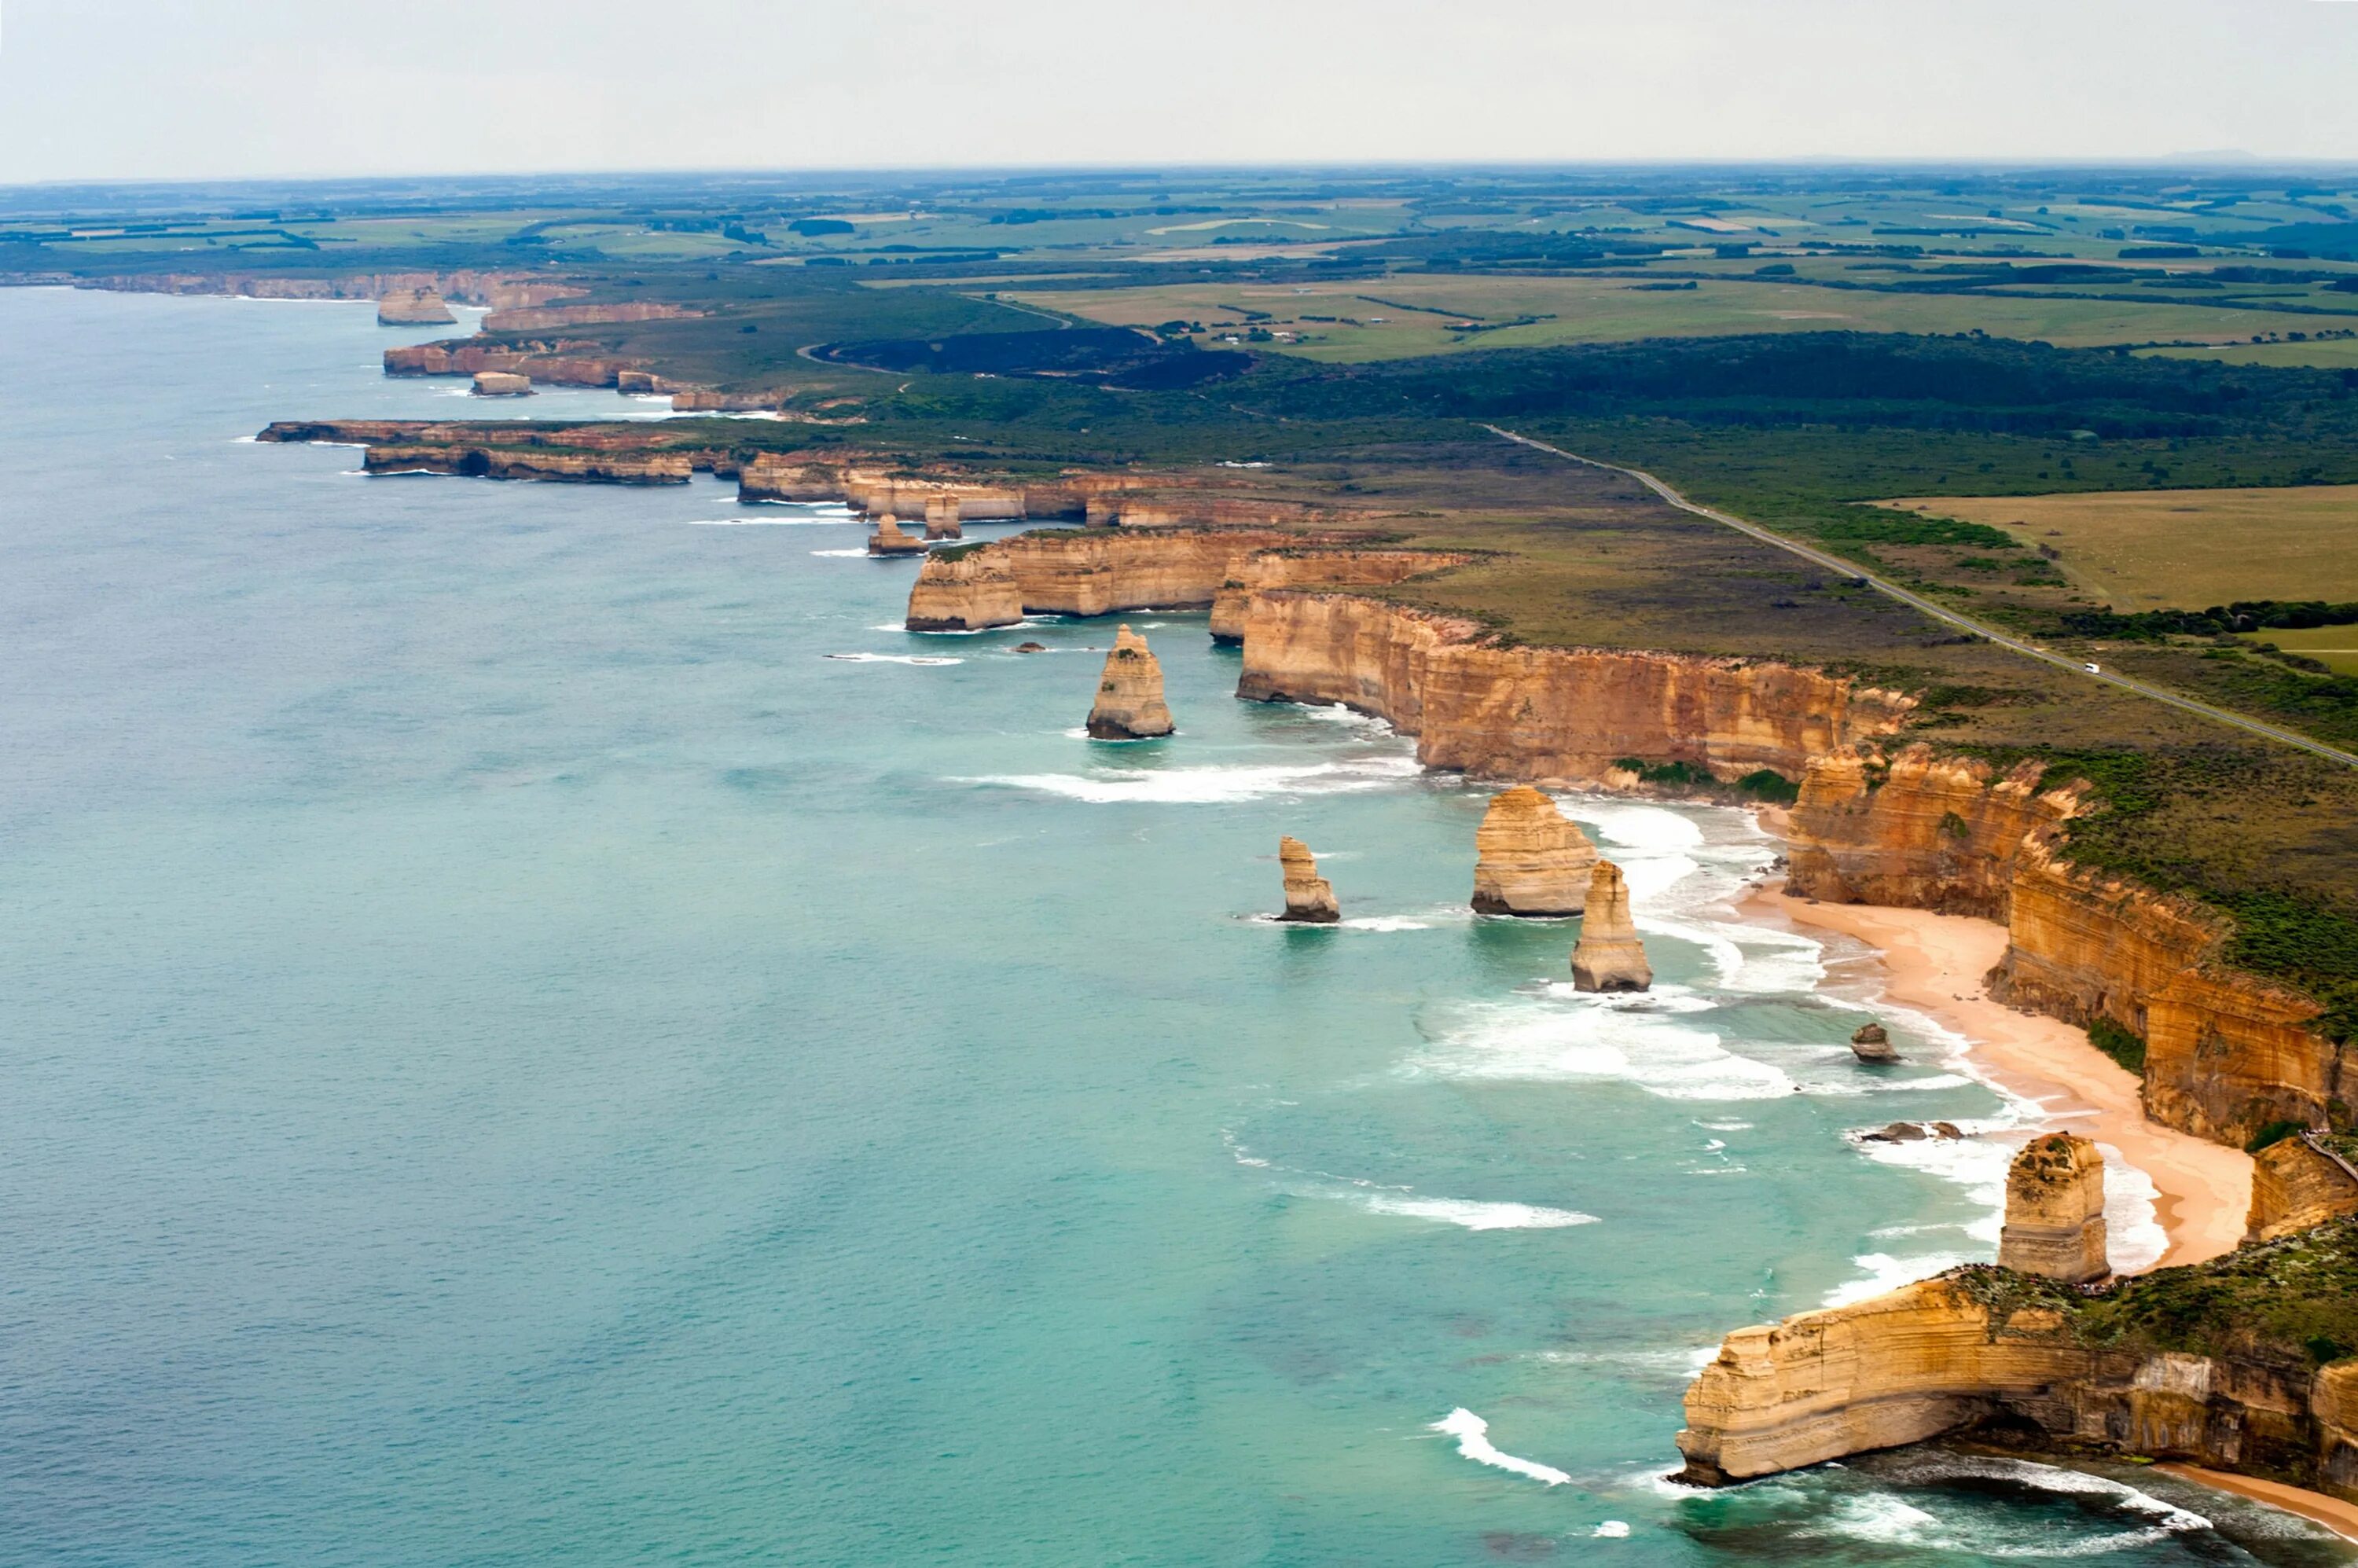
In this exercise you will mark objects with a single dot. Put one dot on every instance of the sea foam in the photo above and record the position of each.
(1472, 1434)
(1212, 785)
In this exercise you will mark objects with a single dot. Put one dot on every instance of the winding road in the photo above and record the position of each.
(1842, 568)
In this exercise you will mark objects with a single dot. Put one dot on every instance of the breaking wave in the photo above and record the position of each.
(1472, 1434)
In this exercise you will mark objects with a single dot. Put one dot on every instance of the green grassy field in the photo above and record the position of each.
(2335, 647)
(2331, 354)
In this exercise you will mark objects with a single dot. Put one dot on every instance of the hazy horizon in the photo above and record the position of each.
(113, 91)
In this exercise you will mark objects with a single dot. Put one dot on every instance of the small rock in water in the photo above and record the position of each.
(1872, 1043)
(1031, 647)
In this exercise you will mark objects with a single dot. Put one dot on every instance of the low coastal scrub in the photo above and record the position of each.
(2117, 1042)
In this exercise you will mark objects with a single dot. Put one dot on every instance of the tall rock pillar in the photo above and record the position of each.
(1608, 957)
(1130, 704)
(1530, 858)
(2055, 1210)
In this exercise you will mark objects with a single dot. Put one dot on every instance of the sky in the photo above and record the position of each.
(224, 89)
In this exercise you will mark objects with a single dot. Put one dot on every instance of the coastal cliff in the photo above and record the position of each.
(1074, 572)
(1309, 567)
(2225, 1053)
(502, 463)
(548, 365)
(2207, 1364)
(1565, 715)
(2300, 1181)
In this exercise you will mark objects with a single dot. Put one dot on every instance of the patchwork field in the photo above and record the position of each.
(1402, 316)
(2148, 549)
(2335, 647)
(2326, 353)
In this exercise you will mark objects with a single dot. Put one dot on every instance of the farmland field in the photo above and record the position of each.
(2335, 647)
(2147, 549)
(1403, 315)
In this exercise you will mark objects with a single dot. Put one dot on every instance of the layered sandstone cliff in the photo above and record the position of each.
(965, 591)
(1983, 1346)
(2055, 1210)
(1064, 572)
(2300, 1181)
(1915, 830)
(552, 364)
(413, 308)
(942, 519)
(501, 384)
(1341, 565)
(510, 463)
(497, 289)
(1608, 957)
(1129, 704)
(1309, 897)
(1552, 714)
(1530, 858)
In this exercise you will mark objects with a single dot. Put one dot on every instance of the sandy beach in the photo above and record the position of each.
(1935, 964)
(2335, 1515)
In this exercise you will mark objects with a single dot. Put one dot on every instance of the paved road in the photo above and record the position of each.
(1842, 568)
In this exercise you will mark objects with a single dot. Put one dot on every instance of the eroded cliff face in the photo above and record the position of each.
(1530, 858)
(2226, 1054)
(499, 290)
(414, 307)
(1129, 704)
(1560, 715)
(2300, 1181)
(965, 593)
(1086, 573)
(507, 462)
(1915, 830)
(1304, 567)
(2055, 1210)
(551, 365)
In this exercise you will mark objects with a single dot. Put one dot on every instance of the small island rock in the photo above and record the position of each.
(889, 540)
(1031, 647)
(1530, 858)
(1130, 704)
(1309, 897)
(1871, 1043)
(414, 307)
(1608, 957)
(501, 384)
(2055, 1210)
(942, 518)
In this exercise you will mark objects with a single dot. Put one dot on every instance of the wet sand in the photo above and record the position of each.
(2335, 1515)
(1935, 964)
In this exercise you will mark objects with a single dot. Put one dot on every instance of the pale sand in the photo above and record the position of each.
(2335, 1515)
(1936, 962)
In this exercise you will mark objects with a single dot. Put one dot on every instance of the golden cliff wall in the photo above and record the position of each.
(1069, 572)
(2297, 1183)
(1547, 714)
(2226, 1052)
(504, 462)
(1341, 567)
(1917, 831)
(1932, 1357)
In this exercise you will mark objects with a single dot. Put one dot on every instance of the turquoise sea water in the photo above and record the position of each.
(536, 1026)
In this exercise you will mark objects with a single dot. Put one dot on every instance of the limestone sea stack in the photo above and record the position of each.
(413, 308)
(1608, 957)
(964, 590)
(501, 384)
(1309, 897)
(942, 518)
(889, 540)
(1130, 704)
(2055, 1210)
(1871, 1043)
(1530, 858)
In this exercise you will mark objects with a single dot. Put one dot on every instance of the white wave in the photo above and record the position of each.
(1474, 1215)
(1387, 922)
(1884, 1520)
(1726, 1126)
(1473, 1441)
(841, 554)
(1976, 1164)
(1335, 713)
(1611, 1530)
(2134, 1238)
(1212, 785)
(1880, 1518)
(1524, 1041)
(1641, 829)
(819, 511)
(894, 659)
(767, 522)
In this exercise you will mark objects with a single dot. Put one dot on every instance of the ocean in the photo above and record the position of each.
(539, 1026)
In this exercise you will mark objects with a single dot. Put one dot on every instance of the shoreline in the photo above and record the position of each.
(2340, 1516)
(1935, 963)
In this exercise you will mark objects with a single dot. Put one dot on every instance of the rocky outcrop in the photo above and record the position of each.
(2300, 1181)
(414, 307)
(1309, 566)
(545, 364)
(540, 318)
(1065, 572)
(965, 590)
(1608, 957)
(1309, 897)
(890, 539)
(1915, 830)
(501, 384)
(2055, 1210)
(1549, 714)
(508, 463)
(1923, 1360)
(2043, 1364)
(1871, 1044)
(1129, 704)
(1530, 858)
(942, 518)
(698, 400)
